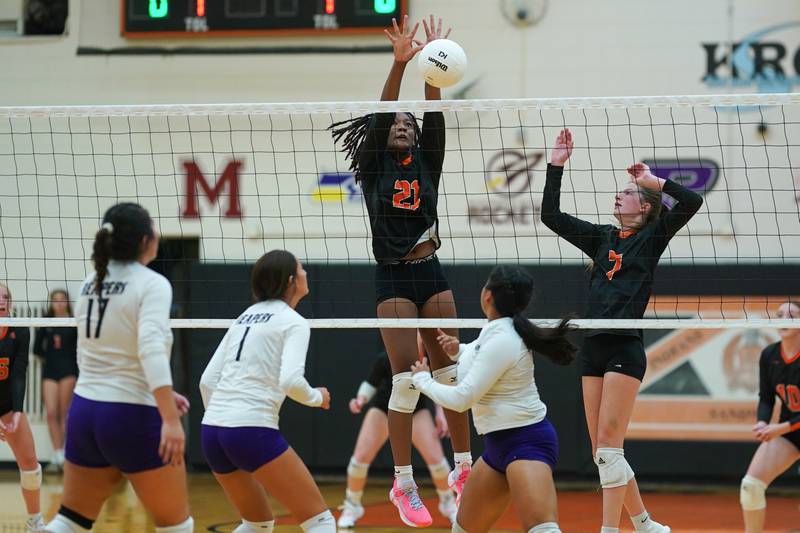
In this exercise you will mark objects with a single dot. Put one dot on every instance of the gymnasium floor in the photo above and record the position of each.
(579, 510)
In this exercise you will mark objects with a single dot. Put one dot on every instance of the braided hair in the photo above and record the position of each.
(354, 131)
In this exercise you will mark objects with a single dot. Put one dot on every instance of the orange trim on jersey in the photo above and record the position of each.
(791, 359)
(626, 234)
(407, 161)
(3, 332)
(794, 427)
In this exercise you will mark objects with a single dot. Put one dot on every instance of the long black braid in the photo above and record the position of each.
(354, 131)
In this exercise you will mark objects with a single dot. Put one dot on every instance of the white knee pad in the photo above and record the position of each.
(614, 470)
(545, 527)
(751, 494)
(446, 376)
(440, 470)
(356, 469)
(321, 523)
(255, 527)
(455, 528)
(187, 526)
(405, 395)
(31, 479)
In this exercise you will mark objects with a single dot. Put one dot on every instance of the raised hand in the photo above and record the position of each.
(403, 42)
(562, 148)
(433, 31)
(449, 344)
(642, 177)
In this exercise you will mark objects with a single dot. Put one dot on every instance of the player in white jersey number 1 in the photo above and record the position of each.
(259, 362)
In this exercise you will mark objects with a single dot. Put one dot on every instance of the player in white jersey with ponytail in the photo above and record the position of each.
(495, 380)
(259, 362)
(124, 419)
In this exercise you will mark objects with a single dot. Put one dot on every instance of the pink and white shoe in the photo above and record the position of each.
(457, 478)
(412, 511)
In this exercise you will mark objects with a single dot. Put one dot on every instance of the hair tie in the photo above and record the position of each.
(108, 226)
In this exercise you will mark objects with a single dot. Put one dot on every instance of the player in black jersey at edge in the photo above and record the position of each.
(398, 166)
(779, 375)
(14, 427)
(613, 361)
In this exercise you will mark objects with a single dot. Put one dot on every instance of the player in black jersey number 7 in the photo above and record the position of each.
(613, 361)
(779, 375)
(398, 166)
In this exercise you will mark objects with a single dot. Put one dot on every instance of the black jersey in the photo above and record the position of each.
(401, 196)
(380, 377)
(58, 346)
(14, 345)
(623, 262)
(779, 374)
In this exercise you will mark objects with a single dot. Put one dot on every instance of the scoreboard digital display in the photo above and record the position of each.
(182, 18)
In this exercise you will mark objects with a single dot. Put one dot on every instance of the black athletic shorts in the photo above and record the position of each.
(794, 438)
(416, 280)
(58, 369)
(613, 353)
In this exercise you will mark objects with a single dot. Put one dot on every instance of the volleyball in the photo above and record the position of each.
(442, 63)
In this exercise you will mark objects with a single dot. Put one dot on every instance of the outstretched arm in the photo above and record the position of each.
(433, 127)
(405, 48)
(580, 233)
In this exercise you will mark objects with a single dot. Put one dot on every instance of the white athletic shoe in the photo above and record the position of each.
(654, 527)
(351, 512)
(448, 508)
(35, 524)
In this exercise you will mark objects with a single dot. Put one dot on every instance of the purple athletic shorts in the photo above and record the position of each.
(123, 435)
(241, 448)
(536, 442)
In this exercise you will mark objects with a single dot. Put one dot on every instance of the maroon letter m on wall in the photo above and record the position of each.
(229, 179)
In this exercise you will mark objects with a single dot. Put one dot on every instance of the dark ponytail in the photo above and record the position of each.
(512, 288)
(271, 274)
(120, 237)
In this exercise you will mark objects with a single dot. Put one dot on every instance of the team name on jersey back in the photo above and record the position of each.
(109, 288)
(254, 318)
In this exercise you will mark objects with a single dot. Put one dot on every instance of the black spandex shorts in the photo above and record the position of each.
(613, 353)
(416, 280)
(794, 438)
(58, 369)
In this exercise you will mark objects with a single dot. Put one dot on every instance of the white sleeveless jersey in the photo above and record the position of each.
(124, 338)
(259, 362)
(495, 380)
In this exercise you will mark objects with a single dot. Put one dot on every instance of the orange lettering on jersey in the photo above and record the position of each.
(617, 258)
(781, 392)
(404, 191)
(4, 362)
(793, 397)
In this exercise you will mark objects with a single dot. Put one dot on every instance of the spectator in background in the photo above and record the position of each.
(57, 346)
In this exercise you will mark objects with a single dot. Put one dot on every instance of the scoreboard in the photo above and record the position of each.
(182, 18)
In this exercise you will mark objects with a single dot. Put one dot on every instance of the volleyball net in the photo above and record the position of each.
(225, 183)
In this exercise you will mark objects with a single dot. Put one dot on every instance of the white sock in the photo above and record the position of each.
(62, 524)
(321, 523)
(545, 527)
(404, 475)
(187, 526)
(461, 458)
(353, 496)
(255, 527)
(605, 529)
(641, 521)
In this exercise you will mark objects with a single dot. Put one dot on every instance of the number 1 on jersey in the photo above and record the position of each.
(101, 311)
(241, 343)
(617, 258)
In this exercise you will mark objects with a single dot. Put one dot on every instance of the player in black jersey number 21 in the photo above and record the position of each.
(613, 361)
(779, 375)
(398, 166)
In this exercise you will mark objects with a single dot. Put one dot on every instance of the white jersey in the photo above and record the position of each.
(495, 380)
(259, 362)
(124, 338)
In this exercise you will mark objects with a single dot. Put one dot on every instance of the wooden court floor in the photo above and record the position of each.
(579, 510)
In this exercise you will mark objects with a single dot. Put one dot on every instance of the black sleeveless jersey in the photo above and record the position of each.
(14, 345)
(779, 375)
(401, 196)
(623, 262)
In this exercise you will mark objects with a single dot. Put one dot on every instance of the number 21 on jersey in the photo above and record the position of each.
(406, 195)
(617, 258)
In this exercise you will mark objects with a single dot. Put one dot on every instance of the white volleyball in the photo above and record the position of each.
(442, 63)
